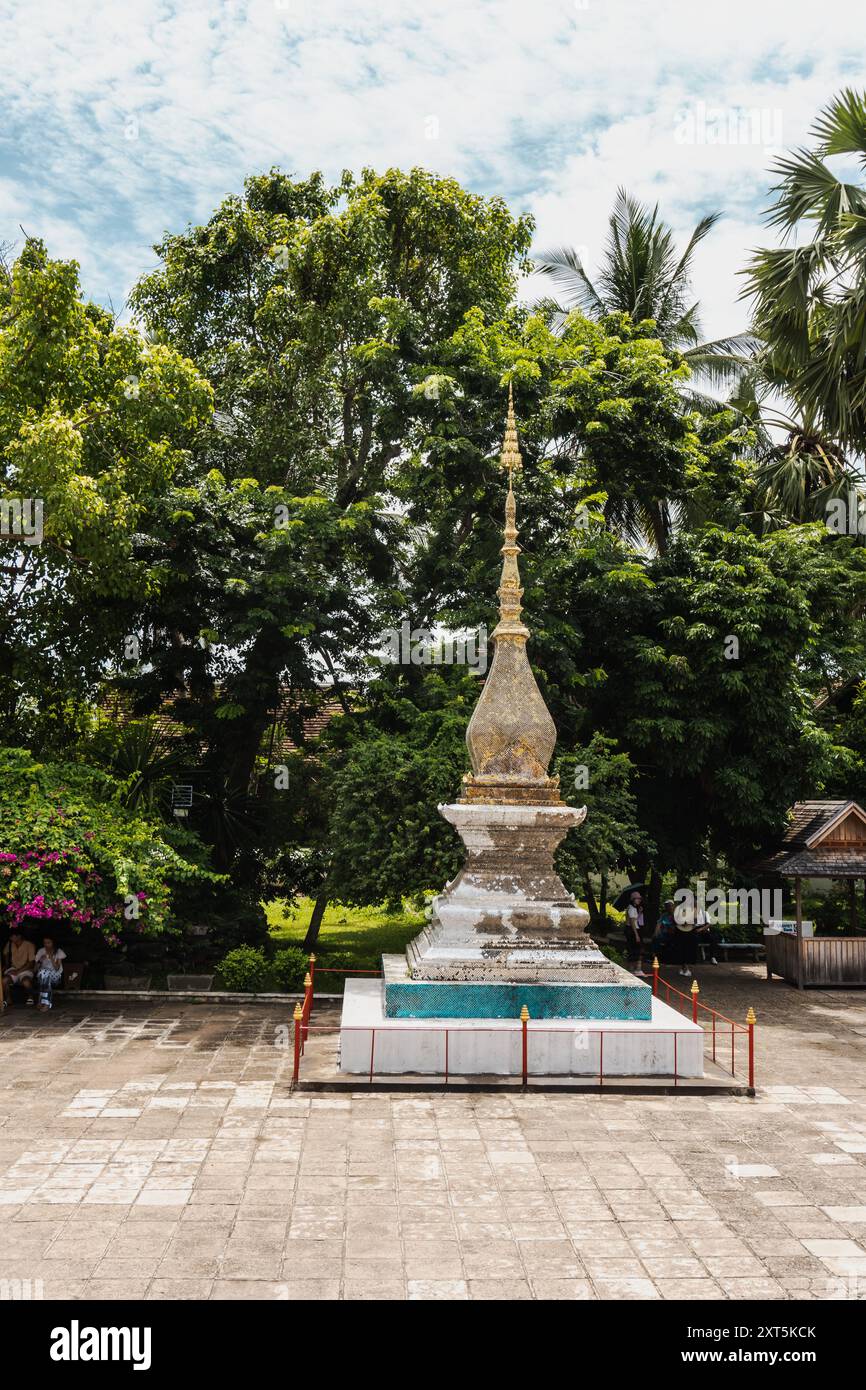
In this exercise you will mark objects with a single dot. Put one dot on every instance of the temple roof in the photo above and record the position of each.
(824, 839)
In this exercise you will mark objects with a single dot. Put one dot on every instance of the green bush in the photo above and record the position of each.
(288, 969)
(740, 931)
(611, 952)
(245, 968)
(348, 960)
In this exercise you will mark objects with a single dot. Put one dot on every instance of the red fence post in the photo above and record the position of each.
(524, 1020)
(312, 974)
(750, 1023)
(695, 992)
(298, 1016)
(308, 1004)
(655, 977)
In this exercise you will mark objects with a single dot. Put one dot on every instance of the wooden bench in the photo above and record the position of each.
(721, 949)
(706, 949)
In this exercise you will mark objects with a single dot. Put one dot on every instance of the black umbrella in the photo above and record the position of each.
(621, 899)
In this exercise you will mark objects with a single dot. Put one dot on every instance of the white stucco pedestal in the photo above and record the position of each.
(665, 1045)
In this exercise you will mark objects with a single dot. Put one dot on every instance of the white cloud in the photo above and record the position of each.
(124, 120)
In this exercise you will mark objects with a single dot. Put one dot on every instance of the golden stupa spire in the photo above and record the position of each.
(510, 592)
(511, 735)
(510, 456)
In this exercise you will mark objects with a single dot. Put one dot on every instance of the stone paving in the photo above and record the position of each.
(159, 1153)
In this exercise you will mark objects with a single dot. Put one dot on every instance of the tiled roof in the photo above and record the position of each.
(118, 704)
(808, 818)
(797, 853)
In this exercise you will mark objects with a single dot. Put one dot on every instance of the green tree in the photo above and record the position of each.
(94, 423)
(319, 313)
(644, 275)
(391, 765)
(808, 301)
(611, 837)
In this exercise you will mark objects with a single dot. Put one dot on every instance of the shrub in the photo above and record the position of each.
(245, 968)
(288, 969)
(72, 852)
(611, 952)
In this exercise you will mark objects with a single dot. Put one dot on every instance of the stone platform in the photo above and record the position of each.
(493, 1046)
(587, 987)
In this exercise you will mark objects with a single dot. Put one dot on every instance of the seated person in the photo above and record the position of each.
(20, 956)
(49, 971)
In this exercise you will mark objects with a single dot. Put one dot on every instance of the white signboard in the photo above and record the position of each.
(786, 927)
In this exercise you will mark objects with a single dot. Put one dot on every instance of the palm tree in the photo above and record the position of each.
(800, 468)
(643, 274)
(810, 299)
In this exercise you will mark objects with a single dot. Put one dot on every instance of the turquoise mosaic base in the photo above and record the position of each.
(452, 999)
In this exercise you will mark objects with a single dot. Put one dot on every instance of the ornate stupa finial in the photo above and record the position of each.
(511, 736)
(510, 456)
(510, 592)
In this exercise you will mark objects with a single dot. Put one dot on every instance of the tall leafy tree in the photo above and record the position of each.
(644, 274)
(808, 298)
(95, 422)
(318, 312)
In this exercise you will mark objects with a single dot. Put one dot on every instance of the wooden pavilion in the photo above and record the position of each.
(824, 839)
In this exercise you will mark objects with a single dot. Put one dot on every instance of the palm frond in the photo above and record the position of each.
(564, 267)
(841, 126)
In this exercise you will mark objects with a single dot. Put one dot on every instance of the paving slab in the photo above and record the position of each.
(155, 1149)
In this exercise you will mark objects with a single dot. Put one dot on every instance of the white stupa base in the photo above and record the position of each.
(666, 1045)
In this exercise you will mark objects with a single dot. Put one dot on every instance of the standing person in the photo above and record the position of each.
(633, 927)
(685, 947)
(707, 936)
(19, 955)
(49, 971)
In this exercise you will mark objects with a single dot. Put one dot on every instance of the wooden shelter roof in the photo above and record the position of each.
(824, 839)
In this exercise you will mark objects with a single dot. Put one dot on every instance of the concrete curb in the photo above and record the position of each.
(624, 1086)
(217, 996)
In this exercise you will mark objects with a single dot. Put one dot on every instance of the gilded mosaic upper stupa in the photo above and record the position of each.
(511, 736)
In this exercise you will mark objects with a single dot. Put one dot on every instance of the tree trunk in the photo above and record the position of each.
(594, 918)
(315, 926)
(652, 901)
(257, 688)
(602, 901)
(640, 868)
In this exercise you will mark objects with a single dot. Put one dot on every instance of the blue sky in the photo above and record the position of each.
(126, 118)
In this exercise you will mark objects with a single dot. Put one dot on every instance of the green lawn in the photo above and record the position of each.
(358, 935)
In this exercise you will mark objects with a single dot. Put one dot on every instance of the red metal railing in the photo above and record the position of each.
(717, 1023)
(520, 1029)
(713, 1023)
